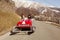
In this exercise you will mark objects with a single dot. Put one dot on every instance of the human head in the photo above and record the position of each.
(29, 16)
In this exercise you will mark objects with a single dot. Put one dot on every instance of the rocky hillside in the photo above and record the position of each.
(40, 11)
(8, 17)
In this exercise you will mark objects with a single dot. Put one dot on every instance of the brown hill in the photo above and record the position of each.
(8, 17)
(26, 11)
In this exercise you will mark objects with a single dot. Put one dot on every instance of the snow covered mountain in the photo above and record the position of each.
(29, 4)
(34, 5)
(34, 8)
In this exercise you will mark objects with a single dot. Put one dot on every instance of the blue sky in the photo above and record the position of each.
(49, 2)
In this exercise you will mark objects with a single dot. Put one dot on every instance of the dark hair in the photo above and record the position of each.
(29, 16)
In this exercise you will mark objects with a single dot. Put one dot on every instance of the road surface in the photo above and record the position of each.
(44, 31)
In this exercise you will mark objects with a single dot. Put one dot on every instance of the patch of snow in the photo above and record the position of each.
(56, 10)
(45, 10)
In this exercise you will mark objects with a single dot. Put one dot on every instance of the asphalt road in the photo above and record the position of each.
(44, 31)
